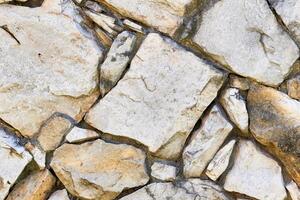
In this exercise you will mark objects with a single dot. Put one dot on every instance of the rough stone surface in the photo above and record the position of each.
(37, 186)
(59, 195)
(205, 142)
(99, 170)
(289, 11)
(13, 158)
(239, 82)
(190, 189)
(245, 36)
(52, 132)
(163, 171)
(116, 61)
(47, 66)
(165, 16)
(235, 106)
(80, 135)
(255, 174)
(158, 113)
(275, 122)
(220, 162)
(294, 191)
(293, 87)
(39, 156)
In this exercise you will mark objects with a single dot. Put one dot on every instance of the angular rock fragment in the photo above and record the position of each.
(294, 191)
(293, 87)
(81, 135)
(37, 186)
(245, 37)
(165, 16)
(160, 98)
(133, 26)
(255, 174)
(275, 123)
(53, 132)
(205, 142)
(39, 156)
(48, 65)
(184, 190)
(163, 171)
(116, 61)
(239, 82)
(220, 162)
(59, 195)
(13, 159)
(99, 170)
(235, 106)
(289, 11)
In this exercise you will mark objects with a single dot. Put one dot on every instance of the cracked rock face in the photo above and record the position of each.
(191, 189)
(99, 170)
(47, 66)
(158, 114)
(289, 11)
(255, 174)
(12, 156)
(275, 122)
(205, 142)
(245, 36)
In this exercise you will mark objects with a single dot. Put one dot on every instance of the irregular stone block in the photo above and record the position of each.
(163, 171)
(80, 135)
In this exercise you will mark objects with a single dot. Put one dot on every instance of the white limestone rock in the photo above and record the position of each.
(235, 106)
(81, 135)
(294, 190)
(116, 61)
(162, 171)
(14, 159)
(48, 66)
(289, 11)
(160, 98)
(245, 37)
(39, 156)
(185, 190)
(205, 142)
(59, 195)
(220, 162)
(255, 174)
(99, 170)
(165, 16)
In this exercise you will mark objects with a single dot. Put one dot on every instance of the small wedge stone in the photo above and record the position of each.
(294, 190)
(293, 87)
(220, 162)
(163, 171)
(205, 142)
(80, 135)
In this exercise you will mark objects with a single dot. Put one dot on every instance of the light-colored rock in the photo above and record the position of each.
(39, 156)
(275, 123)
(205, 142)
(13, 158)
(220, 162)
(165, 16)
(239, 82)
(293, 87)
(289, 11)
(116, 61)
(49, 66)
(59, 195)
(160, 98)
(163, 171)
(255, 174)
(133, 26)
(81, 135)
(99, 170)
(245, 37)
(37, 186)
(294, 191)
(53, 132)
(93, 6)
(235, 106)
(184, 190)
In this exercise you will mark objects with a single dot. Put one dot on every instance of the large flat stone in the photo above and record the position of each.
(275, 122)
(255, 174)
(99, 170)
(160, 98)
(47, 65)
(245, 37)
